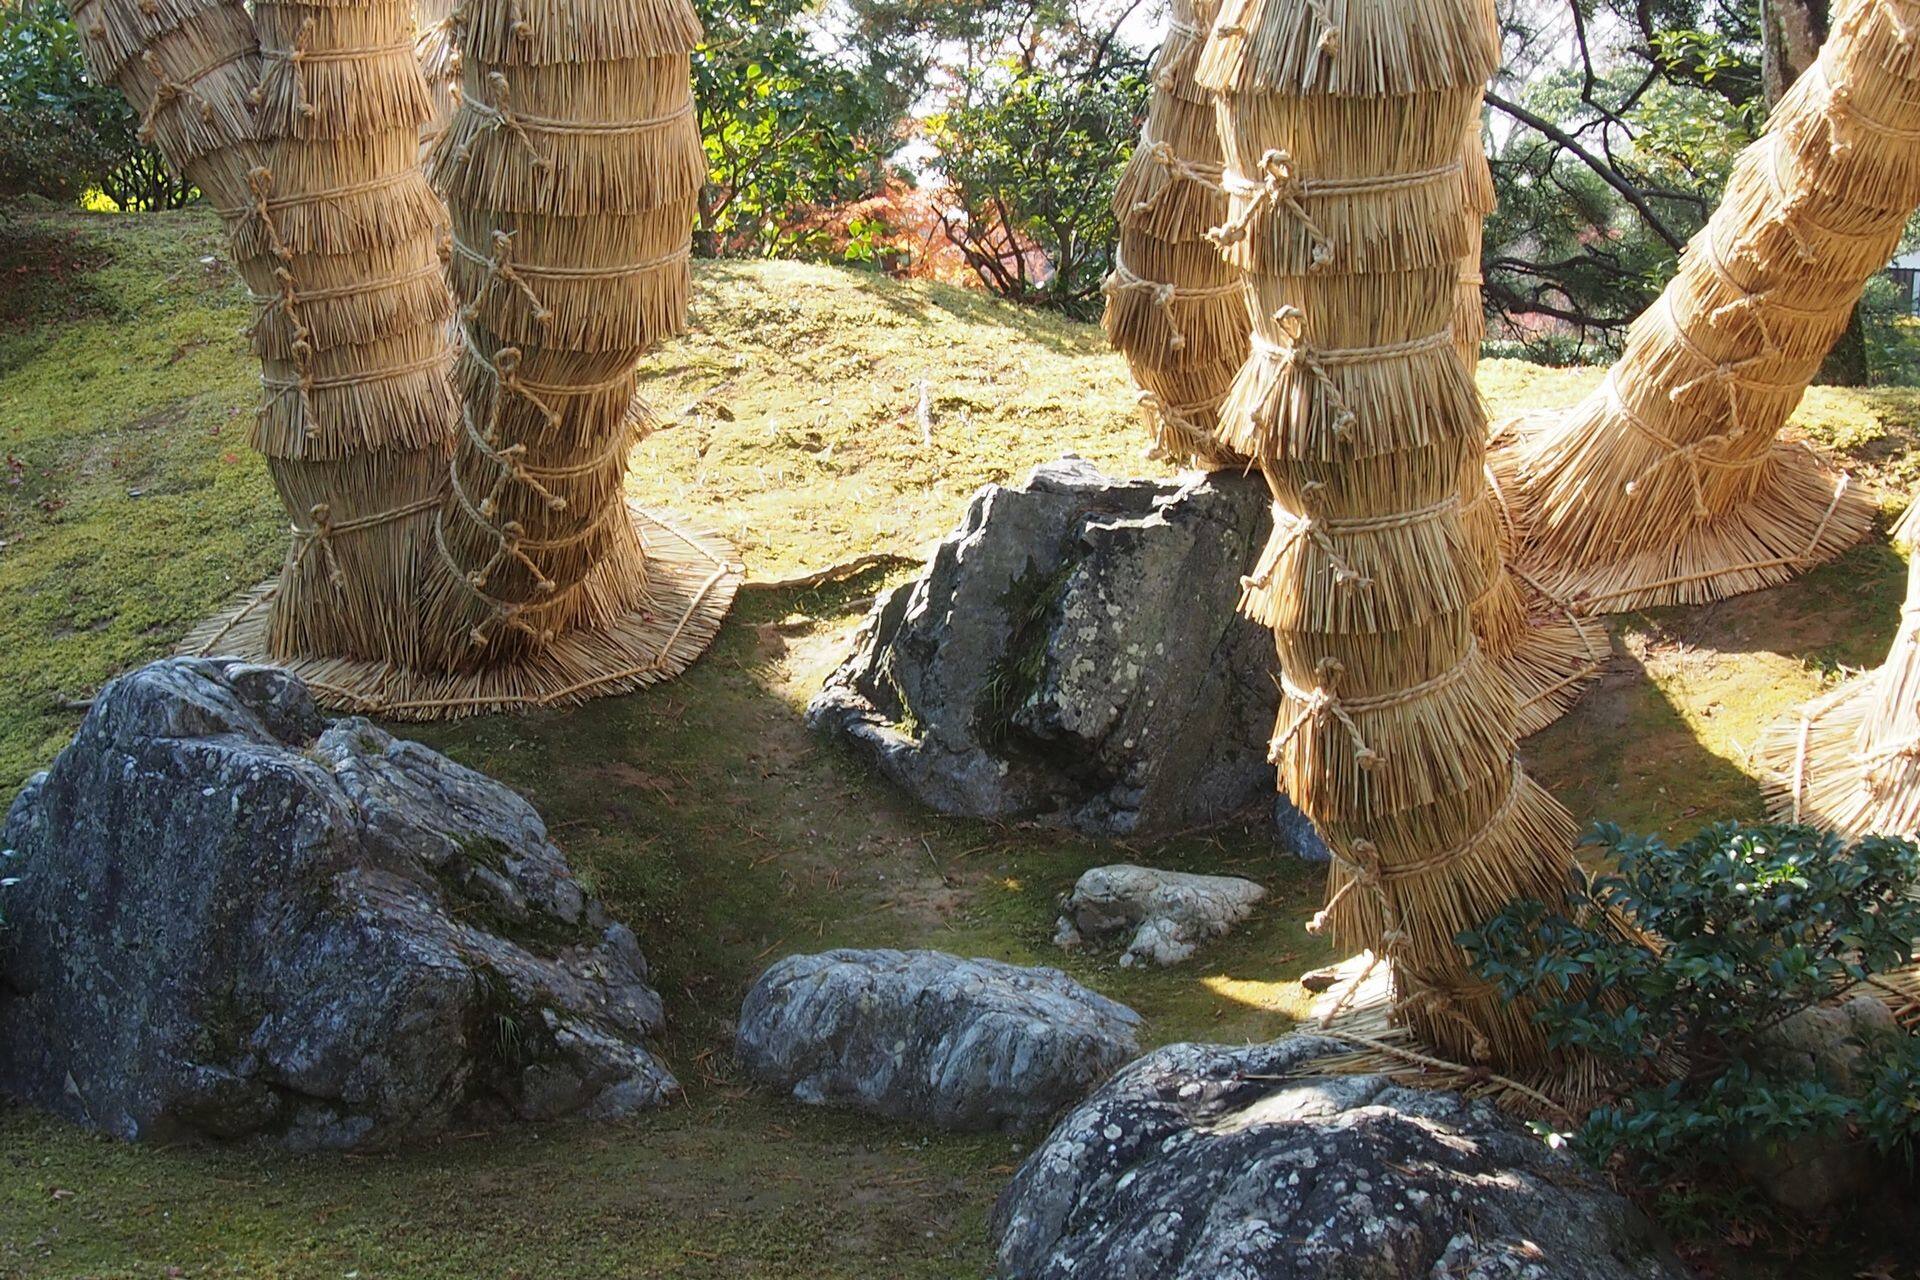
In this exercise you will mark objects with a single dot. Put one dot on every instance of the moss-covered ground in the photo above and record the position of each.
(794, 421)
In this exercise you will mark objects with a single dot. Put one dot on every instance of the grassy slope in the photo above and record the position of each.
(701, 809)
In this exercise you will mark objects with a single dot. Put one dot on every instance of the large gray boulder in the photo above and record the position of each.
(1073, 654)
(232, 918)
(931, 1038)
(1208, 1162)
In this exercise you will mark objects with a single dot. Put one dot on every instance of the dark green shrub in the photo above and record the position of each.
(62, 136)
(1739, 928)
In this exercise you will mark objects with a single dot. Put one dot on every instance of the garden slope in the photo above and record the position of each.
(700, 809)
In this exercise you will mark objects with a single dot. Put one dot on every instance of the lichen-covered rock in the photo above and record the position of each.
(1208, 1162)
(1168, 913)
(1816, 1172)
(1074, 654)
(233, 918)
(931, 1038)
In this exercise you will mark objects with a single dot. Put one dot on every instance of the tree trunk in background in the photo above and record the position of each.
(1792, 32)
(1667, 486)
(1175, 308)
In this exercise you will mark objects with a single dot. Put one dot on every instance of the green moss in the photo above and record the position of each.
(1028, 604)
(700, 809)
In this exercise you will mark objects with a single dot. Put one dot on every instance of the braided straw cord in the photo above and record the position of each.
(1351, 212)
(1667, 485)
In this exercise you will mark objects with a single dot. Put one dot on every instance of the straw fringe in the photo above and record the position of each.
(548, 32)
(1849, 760)
(624, 139)
(693, 581)
(603, 284)
(334, 73)
(115, 32)
(1348, 48)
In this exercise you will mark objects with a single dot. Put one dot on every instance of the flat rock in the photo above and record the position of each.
(1073, 654)
(1210, 1162)
(931, 1038)
(234, 918)
(1166, 913)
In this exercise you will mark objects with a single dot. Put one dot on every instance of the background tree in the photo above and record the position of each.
(62, 136)
(789, 127)
(1030, 166)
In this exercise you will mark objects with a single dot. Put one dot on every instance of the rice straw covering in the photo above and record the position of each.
(1668, 484)
(1350, 211)
(1548, 654)
(572, 167)
(1849, 760)
(357, 409)
(187, 67)
(439, 64)
(1175, 309)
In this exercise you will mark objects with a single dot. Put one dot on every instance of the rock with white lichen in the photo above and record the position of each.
(1074, 654)
(233, 918)
(1165, 913)
(1210, 1162)
(931, 1038)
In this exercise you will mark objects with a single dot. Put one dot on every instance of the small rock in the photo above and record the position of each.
(1210, 1162)
(1169, 912)
(931, 1038)
(234, 918)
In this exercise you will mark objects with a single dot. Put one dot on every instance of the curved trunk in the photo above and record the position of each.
(1668, 484)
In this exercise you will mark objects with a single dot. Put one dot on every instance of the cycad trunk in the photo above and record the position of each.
(1174, 306)
(571, 169)
(1350, 215)
(302, 147)
(1668, 484)
(358, 414)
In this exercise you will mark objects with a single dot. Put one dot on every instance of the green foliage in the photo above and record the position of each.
(61, 136)
(1724, 938)
(1030, 159)
(788, 128)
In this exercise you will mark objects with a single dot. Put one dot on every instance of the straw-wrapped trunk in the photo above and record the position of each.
(1175, 307)
(357, 413)
(1547, 653)
(299, 139)
(1849, 760)
(1668, 484)
(571, 169)
(1351, 216)
(439, 63)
